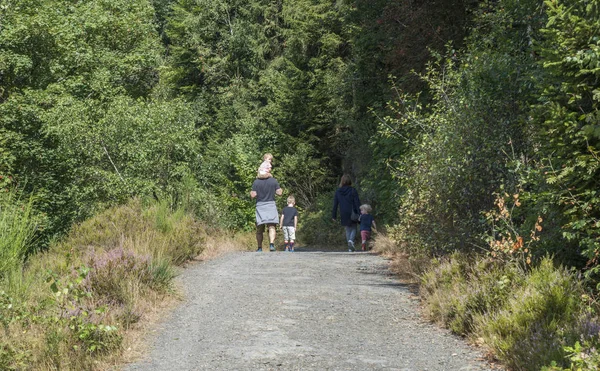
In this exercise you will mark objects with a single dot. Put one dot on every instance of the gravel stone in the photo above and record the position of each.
(305, 310)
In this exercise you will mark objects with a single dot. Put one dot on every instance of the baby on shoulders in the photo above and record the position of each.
(264, 170)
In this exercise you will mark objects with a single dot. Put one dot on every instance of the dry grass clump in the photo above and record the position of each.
(408, 266)
(218, 244)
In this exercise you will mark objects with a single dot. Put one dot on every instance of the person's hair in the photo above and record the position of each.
(346, 180)
(268, 156)
(291, 199)
(366, 208)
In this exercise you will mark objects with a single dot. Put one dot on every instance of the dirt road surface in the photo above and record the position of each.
(305, 310)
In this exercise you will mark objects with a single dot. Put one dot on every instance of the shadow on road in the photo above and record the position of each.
(381, 269)
(340, 249)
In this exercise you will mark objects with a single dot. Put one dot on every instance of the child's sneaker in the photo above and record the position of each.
(364, 247)
(271, 247)
(350, 245)
(259, 249)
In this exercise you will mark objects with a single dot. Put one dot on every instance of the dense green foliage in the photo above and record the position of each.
(461, 146)
(511, 121)
(569, 118)
(68, 70)
(101, 101)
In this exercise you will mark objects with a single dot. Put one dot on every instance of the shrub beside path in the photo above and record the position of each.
(301, 311)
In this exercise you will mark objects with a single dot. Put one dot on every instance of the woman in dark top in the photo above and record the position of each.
(346, 198)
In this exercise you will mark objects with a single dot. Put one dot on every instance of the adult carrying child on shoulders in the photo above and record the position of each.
(264, 190)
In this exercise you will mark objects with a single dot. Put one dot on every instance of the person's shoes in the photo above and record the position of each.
(259, 249)
(363, 247)
(271, 247)
(350, 245)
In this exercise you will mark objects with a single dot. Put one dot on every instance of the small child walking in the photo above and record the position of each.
(366, 224)
(288, 223)
(264, 170)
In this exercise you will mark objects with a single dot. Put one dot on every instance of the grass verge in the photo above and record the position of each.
(542, 318)
(87, 301)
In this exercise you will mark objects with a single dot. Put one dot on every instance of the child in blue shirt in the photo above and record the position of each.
(288, 223)
(366, 224)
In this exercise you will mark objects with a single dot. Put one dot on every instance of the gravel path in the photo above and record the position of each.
(301, 311)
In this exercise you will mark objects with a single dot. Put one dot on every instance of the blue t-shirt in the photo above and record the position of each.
(288, 216)
(365, 222)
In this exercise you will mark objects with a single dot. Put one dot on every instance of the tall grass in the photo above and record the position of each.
(408, 264)
(17, 231)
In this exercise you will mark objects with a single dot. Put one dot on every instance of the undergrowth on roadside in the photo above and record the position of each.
(408, 264)
(528, 319)
(70, 307)
(528, 316)
(538, 318)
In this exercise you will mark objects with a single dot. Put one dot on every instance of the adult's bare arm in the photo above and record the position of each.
(279, 191)
(253, 194)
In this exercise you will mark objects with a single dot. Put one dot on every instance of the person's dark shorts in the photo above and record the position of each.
(261, 228)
